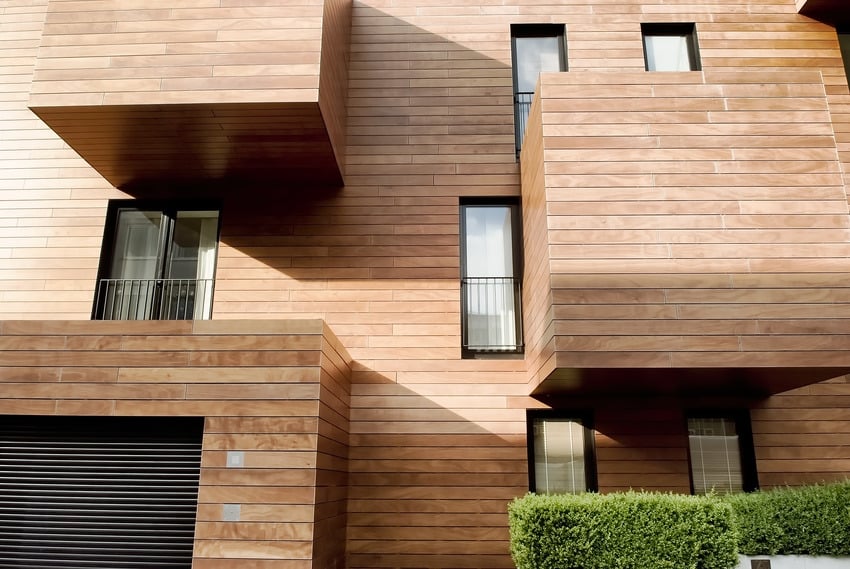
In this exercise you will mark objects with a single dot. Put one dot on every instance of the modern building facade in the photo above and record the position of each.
(352, 276)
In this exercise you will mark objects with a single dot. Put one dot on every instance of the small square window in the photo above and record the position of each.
(561, 453)
(670, 47)
(720, 447)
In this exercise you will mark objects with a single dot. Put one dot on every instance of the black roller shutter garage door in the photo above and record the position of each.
(108, 492)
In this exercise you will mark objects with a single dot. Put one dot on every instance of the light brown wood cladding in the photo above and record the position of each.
(685, 205)
(437, 443)
(288, 415)
(197, 92)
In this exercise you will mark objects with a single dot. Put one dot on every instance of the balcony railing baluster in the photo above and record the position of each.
(492, 314)
(522, 106)
(153, 299)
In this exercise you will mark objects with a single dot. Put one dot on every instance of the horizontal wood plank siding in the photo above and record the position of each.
(95, 53)
(726, 242)
(687, 205)
(801, 436)
(333, 75)
(291, 486)
(225, 91)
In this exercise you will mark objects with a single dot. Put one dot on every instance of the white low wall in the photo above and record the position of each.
(797, 562)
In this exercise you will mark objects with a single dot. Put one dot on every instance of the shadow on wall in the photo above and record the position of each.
(429, 486)
(411, 152)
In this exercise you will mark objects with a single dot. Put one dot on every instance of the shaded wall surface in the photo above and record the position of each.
(436, 444)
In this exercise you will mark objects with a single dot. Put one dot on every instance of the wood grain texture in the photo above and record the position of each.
(201, 92)
(291, 422)
(597, 167)
(682, 219)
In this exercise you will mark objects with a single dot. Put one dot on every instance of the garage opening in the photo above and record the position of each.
(107, 492)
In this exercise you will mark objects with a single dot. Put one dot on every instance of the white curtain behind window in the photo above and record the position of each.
(490, 310)
(192, 256)
(206, 264)
(667, 53)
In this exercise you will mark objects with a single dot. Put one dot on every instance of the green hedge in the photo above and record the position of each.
(632, 530)
(812, 520)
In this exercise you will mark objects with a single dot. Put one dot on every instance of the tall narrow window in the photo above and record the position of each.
(535, 48)
(844, 43)
(670, 47)
(490, 279)
(721, 454)
(561, 454)
(158, 264)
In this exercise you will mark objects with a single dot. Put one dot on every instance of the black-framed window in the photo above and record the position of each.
(491, 274)
(157, 262)
(535, 48)
(561, 452)
(670, 47)
(720, 452)
(844, 44)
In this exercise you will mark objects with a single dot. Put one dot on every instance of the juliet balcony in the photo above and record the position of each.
(196, 91)
(685, 233)
(153, 299)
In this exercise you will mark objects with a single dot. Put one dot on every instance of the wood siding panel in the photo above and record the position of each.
(677, 220)
(171, 54)
(227, 92)
(292, 464)
(604, 176)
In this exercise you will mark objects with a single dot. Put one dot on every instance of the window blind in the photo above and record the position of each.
(715, 455)
(559, 455)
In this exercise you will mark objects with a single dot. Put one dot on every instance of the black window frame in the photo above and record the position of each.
(522, 100)
(514, 204)
(585, 418)
(169, 209)
(746, 447)
(687, 29)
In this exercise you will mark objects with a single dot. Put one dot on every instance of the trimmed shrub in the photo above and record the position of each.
(811, 520)
(632, 530)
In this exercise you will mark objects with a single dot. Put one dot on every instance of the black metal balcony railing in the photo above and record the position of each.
(153, 299)
(522, 106)
(491, 318)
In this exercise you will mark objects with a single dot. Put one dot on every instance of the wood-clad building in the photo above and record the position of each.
(406, 260)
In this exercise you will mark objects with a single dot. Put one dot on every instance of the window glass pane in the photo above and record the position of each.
(490, 287)
(667, 53)
(162, 266)
(844, 43)
(489, 241)
(559, 456)
(534, 55)
(193, 245)
(191, 266)
(715, 455)
(136, 245)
